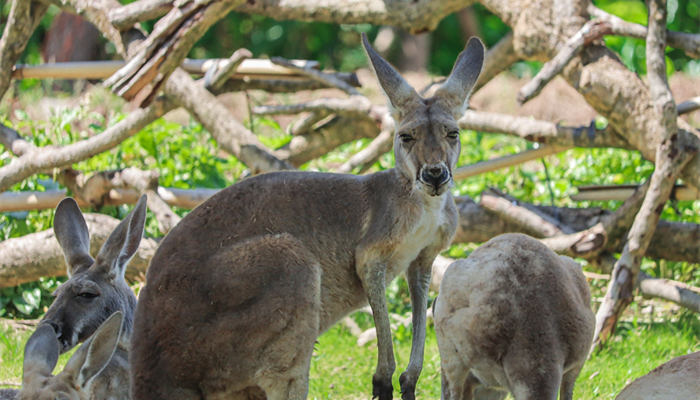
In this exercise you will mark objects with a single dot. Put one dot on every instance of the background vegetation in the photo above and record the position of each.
(186, 156)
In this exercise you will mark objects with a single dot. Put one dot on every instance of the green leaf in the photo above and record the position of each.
(32, 297)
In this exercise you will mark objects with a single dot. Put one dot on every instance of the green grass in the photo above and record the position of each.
(342, 370)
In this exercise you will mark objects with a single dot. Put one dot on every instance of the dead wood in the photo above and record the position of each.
(27, 258)
(535, 223)
(671, 156)
(542, 131)
(688, 42)
(46, 158)
(229, 133)
(27, 201)
(591, 31)
(152, 62)
(323, 77)
(23, 18)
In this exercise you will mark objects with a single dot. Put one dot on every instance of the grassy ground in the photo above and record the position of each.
(342, 370)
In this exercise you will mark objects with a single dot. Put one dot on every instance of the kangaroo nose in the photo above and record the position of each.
(435, 175)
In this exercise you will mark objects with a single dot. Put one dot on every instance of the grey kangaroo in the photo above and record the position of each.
(80, 379)
(513, 315)
(240, 289)
(96, 289)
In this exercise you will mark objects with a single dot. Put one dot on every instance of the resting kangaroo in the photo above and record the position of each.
(239, 290)
(676, 379)
(96, 288)
(78, 379)
(513, 315)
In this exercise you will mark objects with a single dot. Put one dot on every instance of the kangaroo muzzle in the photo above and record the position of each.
(435, 175)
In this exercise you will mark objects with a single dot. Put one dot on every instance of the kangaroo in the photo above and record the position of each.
(239, 290)
(78, 378)
(513, 315)
(96, 288)
(675, 379)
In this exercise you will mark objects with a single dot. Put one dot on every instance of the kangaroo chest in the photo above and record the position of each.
(425, 232)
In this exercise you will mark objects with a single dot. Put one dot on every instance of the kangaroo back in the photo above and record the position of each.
(513, 315)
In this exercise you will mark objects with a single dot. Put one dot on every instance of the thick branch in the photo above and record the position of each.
(23, 19)
(498, 58)
(671, 156)
(538, 224)
(676, 241)
(126, 16)
(324, 78)
(354, 106)
(27, 258)
(592, 30)
(166, 47)
(415, 16)
(229, 134)
(677, 292)
(47, 158)
(688, 42)
(27, 201)
(542, 131)
(331, 134)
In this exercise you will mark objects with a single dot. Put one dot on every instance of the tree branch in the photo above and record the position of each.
(591, 31)
(542, 131)
(28, 258)
(165, 48)
(415, 16)
(231, 135)
(324, 78)
(24, 17)
(671, 156)
(128, 15)
(47, 158)
(688, 42)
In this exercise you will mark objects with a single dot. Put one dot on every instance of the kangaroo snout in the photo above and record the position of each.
(435, 175)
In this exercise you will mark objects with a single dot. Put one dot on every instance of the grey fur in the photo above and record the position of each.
(513, 315)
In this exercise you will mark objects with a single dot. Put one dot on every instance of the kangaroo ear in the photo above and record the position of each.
(40, 353)
(72, 234)
(123, 242)
(456, 90)
(400, 94)
(94, 355)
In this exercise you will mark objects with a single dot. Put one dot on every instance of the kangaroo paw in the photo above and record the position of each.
(408, 387)
(381, 389)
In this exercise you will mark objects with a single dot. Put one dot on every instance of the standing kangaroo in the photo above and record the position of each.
(240, 289)
(96, 289)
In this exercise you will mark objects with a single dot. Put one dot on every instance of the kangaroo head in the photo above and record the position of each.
(96, 287)
(426, 143)
(73, 383)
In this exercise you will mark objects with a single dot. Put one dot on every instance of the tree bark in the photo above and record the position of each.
(27, 258)
(23, 19)
(47, 158)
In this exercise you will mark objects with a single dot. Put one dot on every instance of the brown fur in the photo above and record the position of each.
(675, 379)
(239, 290)
(513, 315)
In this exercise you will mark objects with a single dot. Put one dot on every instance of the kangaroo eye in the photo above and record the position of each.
(453, 134)
(406, 138)
(87, 295)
